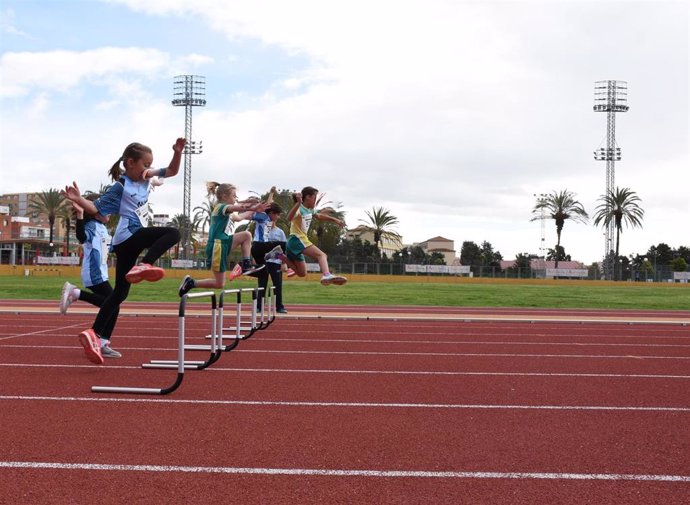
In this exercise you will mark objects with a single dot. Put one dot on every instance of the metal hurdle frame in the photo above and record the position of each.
(238, 328)
(266, 317)
(180, 363)
(215, 347)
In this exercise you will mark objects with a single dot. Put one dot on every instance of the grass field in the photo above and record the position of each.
(468, 292)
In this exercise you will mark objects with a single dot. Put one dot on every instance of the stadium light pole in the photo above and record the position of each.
(610, 97)
(189, 91)
(542, 247)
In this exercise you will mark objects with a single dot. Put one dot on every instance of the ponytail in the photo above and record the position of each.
(115, 172)
(211, 188)
(134, 151)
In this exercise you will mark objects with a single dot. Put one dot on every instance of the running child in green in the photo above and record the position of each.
(221, 240)
(298, 244)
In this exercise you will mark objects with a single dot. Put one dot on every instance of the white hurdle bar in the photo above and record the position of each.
(180, 363)
(215, 348)
(268, 311)
(238, 328)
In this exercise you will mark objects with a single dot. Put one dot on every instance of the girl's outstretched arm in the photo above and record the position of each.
(174, 166)
(298, 201)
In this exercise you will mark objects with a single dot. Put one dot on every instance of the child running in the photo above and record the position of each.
(267, 249)
(298, 244)
(128, 197)
(95, 240)
(221, 240)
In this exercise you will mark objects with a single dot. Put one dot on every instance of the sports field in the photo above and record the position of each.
(351, 404)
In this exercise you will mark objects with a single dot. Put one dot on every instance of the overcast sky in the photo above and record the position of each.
(449, 114)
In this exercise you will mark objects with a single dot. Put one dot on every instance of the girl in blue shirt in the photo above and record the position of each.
(95, 240)
(128, 197)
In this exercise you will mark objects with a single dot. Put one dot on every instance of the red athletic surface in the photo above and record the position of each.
(421, 410)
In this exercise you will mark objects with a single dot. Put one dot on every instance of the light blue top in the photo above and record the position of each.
(94, 267)
(128, 199)
(266, 230)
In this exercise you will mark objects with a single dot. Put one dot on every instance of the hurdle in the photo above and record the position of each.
(238, 329)
(215, 348)
(268, 309)
(180, 364)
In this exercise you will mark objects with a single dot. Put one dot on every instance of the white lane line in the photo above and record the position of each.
(422, 372)
(53, 329)
(382, 353)
(37, 465)
(372, 372)
(344, 404)
(466, 354)
(467, 342)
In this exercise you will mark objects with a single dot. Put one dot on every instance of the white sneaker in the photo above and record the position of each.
(329, 279)
(108, 352)
(66, 299)
(275, 254)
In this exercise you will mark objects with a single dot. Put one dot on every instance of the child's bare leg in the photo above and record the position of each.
(243, 239)
(315, 253)
(217, 282)
(300, 267)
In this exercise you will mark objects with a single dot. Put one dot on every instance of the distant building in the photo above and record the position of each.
(20, 239)
(161, 219)
(444, 246)
(18, 204)
(387, 245)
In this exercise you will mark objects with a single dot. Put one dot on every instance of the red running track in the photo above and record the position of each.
(345, 410)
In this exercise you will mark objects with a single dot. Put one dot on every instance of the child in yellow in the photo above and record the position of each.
(298, 243)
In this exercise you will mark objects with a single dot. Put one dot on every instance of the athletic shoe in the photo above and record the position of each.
(92, 346)
(66, 298)
(187, 284)
(275, 254)
(235, 273)
(251, 269)
(339, 280)
(291, 272)
(109, 352)
(144, 272)
(282, 310)
(329, 279)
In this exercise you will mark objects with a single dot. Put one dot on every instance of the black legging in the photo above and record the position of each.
(259, 249)
(96, 296)
(157, 240)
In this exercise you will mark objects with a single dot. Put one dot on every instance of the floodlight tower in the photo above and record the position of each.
(188, 91)
(610, 97)
(541, 197)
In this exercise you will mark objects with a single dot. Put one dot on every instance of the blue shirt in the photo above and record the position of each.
(130, 200)
(94, 267)
(266, 230)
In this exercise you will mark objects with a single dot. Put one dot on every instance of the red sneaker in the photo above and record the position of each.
(144, 272)
(92, 346)
(290, 272)
(236, 272)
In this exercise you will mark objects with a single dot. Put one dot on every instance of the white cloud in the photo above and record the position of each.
(8, 24)
(62, 71)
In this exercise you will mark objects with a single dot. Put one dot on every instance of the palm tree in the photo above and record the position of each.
(48, 203)
(619, 206)
(202, 214)
(65, 214)
(379, 223)
(180, 221)
(560, 206)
